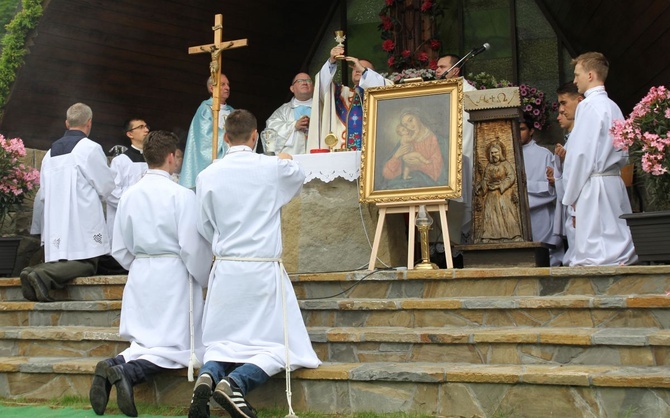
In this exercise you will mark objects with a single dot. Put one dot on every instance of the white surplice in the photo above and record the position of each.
(323, 119)
(73, 185)
(240, 199)
(128, 173)
(562, 218)
(283, 121)
(541, 198)
(156, 239)
(593, 184)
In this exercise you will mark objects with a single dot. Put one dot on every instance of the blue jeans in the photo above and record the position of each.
(246, 376)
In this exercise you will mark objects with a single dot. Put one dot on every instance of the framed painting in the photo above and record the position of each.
(412, 142)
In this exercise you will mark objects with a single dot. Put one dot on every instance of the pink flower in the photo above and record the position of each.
(422, 56)
(667, 113)
(391, 62)
(406, 53)
(388, 45)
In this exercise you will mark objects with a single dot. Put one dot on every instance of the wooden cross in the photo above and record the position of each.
(215, 50)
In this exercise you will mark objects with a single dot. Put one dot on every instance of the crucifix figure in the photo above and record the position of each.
(215, 50)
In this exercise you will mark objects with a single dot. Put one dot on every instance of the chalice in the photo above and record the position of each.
(340, 38)
(269, 139)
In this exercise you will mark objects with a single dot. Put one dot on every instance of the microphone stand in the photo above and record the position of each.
(462, 61)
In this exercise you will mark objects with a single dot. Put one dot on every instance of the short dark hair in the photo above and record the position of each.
(568, 88)
(157, 146)
(239, 126)
(128, 124)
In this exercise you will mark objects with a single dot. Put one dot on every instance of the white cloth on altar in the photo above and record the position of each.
(240, 199)
(541, 198)
(283, 121)
(323, 119)
(330, 165)
(156, 239)
(128, 173)
(74, 185)
(593, 184)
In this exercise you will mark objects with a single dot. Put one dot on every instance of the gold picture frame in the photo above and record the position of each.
(412, 142)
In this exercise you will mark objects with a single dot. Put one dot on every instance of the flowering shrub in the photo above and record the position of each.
(645, 136)
(16, 178)
(533, 100)
(424, 74)
(412, 45)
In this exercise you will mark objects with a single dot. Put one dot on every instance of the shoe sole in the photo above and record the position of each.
(124, 399)
(225, 400)
(200, 402)
(99, 394)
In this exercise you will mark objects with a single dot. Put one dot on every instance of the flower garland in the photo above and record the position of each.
(533, 100)
(410, 47)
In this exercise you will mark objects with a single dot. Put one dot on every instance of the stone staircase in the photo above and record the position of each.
(537, 342)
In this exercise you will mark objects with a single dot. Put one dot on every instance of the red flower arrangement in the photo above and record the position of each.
(410, 45)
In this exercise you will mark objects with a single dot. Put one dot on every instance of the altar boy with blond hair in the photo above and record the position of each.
(594, 190)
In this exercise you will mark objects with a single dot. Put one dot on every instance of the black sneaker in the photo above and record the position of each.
(26, 288)
(229, 396)
(200, 400)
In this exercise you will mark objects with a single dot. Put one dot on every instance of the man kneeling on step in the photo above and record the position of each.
(156, 239)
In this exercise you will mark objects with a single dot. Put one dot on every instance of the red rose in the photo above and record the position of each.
(434, 44)
(388, 45)
(426, 5)
(391, 62)
(390, 2)
(432, 64)
(406, 53)
(387, 24)
(422, 56)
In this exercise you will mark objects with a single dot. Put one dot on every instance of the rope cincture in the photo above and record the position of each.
(291, 413)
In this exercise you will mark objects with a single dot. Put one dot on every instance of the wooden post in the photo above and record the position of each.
(215, 50)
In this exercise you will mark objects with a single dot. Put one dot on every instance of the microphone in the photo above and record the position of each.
(481, 49)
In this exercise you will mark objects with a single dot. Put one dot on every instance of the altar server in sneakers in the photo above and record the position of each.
(244, 326)
(156, 239)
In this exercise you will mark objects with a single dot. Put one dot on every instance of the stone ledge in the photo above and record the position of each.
(601, 376)
(103, 305)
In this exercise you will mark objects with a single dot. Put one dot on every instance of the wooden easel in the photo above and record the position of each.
(215, 50)
(412, 208)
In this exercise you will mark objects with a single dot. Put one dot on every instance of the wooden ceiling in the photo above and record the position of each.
(633, 35)
(128, 58)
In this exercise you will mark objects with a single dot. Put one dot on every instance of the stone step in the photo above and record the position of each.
(447, 389)
(644, 311)
(82, 289)
(104, 313)
(390, 284)
(505, 345)
(500, 345)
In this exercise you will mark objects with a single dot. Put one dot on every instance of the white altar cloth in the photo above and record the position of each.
(328, 166)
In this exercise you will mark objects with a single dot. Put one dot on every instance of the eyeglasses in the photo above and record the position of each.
(139, 127)
(303, 80)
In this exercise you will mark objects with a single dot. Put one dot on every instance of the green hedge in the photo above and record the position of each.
(8, 9)
(13, 45)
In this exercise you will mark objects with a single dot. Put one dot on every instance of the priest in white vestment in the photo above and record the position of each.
(250, 301)
(459, 215)
(129, 166)
(538, 162)
(156, 239)
(291, 120)
(74, 179)
(198, 151)
(338, 109)
(592, 174)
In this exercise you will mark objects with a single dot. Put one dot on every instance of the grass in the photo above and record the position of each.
(82, 403)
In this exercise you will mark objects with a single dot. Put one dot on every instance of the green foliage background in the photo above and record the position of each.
(21, 21)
